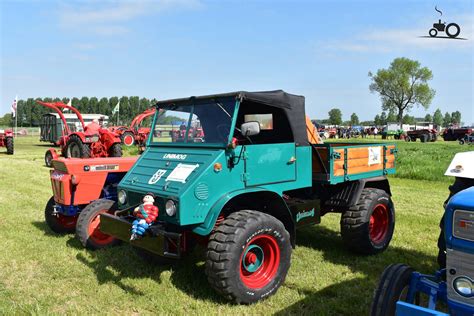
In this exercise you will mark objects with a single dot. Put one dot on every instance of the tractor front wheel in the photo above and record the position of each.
(88, 225)
(75, 148)
(248, 256)
(393, 287)
(368, 226)
(128, 139)
(48, 158)
(58, 222)
(9, 144)
(115, 150)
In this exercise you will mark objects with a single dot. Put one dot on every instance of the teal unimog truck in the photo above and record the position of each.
(256, 175)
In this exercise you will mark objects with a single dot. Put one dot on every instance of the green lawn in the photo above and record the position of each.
(44, 273)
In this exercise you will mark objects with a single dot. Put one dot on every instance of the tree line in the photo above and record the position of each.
(30, 113)
(335, 118)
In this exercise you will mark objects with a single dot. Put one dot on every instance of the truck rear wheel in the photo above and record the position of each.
(393, 287)
(128, 139)
(248, 256)
(88, 225)
(9, 144)
(367, 227)
(75, 148)
(58, 222)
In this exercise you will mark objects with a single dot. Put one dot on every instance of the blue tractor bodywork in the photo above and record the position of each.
(459, 234)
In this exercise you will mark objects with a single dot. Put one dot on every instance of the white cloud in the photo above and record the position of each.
(109, 17)
(388, 40)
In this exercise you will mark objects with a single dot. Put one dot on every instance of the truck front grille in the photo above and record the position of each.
(462, 264)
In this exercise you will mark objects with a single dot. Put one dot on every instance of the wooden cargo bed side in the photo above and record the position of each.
(320, 163)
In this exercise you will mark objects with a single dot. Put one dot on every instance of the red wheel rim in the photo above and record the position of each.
(259, 261)
(67, 222)
(95, 234)
(128, 140)
(379, 223)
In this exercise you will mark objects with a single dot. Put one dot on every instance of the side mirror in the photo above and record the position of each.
(250, 128)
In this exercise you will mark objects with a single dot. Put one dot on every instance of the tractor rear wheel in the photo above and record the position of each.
(75, 148)
(248, 256)
(115, 150)
(128, 139)
(393, 287)
(10, 145)
(48, 158)
(88, 230)
(368, 226)
(58, 223)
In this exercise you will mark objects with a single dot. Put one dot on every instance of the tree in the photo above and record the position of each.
(335, 116)
(383, 118)
(438, 118)
(377, 120)
(354, 119)
(403, 85)
(456, 117)
(392, 116)
(407, 119)
(447, 119)
(428, 118)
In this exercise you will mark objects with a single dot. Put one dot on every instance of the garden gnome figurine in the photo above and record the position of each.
(145, 214)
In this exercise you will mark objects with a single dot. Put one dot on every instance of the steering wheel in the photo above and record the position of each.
(223, 131)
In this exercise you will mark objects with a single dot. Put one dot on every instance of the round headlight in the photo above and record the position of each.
(170, 208)
(122, 197)
(464, 286)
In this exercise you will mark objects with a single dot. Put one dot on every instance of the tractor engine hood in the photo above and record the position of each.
(169, 173)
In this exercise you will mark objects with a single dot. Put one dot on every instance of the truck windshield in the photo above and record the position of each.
(202, 122)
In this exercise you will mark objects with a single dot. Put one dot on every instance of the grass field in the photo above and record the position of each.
(43, 273)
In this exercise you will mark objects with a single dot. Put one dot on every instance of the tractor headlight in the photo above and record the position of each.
(464, 286)
(122, 197)
(170, 208)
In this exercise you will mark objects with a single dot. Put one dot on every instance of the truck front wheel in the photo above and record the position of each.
(88, 225)
(248, 256)
(367, 227)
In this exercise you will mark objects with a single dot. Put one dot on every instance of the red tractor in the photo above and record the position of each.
(92, 142)
(6, 140)
(135, 134)
(425, 135)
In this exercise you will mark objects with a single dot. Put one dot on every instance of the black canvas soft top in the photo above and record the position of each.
(293, 106)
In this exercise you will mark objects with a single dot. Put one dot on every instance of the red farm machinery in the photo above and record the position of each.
(134, 134)
(6, 140)
(92, 141)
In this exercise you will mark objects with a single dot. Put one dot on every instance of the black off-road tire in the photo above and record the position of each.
(86, 219)
(424, 138)
(9, 142)
(356, 227)
(461, 141)
(83, 149)
(434, 138)
(48, 158)
(392, 288)
(59, 224)
(115, 150)
(227, 245)
(127, 134)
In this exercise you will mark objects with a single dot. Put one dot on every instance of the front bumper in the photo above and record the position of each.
(156, 240)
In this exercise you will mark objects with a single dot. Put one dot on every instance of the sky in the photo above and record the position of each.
(168, 49)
